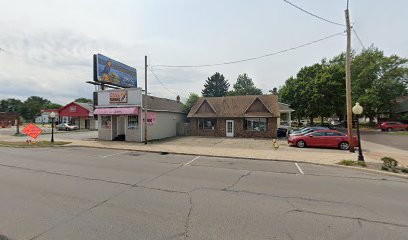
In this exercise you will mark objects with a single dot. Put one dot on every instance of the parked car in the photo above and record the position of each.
(67, 127)
(322, 138)
(307, 130)
(391, 126)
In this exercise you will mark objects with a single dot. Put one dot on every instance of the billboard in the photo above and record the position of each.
(109, 71)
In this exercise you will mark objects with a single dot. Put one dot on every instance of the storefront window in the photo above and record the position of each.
(106, 122)
(133, 122)
(256, 124)
(206, 123)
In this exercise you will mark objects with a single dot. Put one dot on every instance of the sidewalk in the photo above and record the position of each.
(240, 148)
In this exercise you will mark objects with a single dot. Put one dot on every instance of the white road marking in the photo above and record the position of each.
(191, 161)
(110, 155)
(300, 170)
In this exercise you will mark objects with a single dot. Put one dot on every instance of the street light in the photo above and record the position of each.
(358, 110)
(52, 116)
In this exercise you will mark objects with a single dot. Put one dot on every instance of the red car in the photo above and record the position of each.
(391, 126)
(322, 138)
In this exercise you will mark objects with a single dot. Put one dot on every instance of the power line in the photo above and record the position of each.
(314, 15)
(155, 76)
(252, 58)
(358, 38)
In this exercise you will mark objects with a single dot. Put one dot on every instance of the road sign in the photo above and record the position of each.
(32, 130)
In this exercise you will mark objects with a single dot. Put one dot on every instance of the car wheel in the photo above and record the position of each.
(344, 146)
(66, 129)
(301, 144)
(389, 129)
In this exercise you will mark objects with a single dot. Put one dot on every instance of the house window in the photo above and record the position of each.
(106, 122)
(256, 124)
(206, 123)
(133, 122)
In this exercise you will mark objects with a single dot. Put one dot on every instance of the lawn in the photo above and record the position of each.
(33, 144)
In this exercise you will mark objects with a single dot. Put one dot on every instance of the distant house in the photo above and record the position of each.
(80, 114)
(45, 115)
(235, 116)
(401, 105)
(8, 119)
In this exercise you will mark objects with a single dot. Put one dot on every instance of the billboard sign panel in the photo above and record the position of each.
(109, 71)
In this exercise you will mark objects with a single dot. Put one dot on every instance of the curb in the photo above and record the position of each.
(405, 176)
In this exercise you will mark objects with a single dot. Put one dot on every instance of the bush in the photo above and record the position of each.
(389, 164)
(352, 163)
(404, 170)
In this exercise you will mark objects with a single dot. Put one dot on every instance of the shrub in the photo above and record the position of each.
(352, 163)
(389, 164)
(404, 170)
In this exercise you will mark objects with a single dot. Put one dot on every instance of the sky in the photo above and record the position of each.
(47, 45)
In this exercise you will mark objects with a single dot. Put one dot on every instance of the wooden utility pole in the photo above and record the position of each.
(145, 104)
(348, 84)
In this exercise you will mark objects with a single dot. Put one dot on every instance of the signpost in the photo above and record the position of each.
(32, 131)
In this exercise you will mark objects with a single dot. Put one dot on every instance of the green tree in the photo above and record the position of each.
(10, 105)
(191, 100)
(377, 80)
(215, 86)
(83, 100)
(52, 106)
(244, 86)
(32, 107)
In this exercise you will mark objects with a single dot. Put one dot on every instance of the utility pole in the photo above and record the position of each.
(145, 103)
(348, 84)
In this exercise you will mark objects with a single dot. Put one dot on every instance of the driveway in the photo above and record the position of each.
(391, 139)
(88, 193)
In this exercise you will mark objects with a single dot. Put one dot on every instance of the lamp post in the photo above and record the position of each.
(52, 116)
(358, 110)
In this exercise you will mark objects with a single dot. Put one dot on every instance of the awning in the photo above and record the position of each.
(117, 111)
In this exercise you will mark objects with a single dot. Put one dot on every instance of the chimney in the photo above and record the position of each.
(178, 98)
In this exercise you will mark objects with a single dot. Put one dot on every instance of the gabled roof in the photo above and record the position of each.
(86, 106)
(163, 104)
(237, 106)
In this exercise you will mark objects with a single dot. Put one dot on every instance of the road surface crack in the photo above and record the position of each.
(351, 218)
(187, 225)
(236, 182)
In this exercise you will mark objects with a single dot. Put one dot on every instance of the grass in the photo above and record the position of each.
(400, 133)
(33, 144)
(352, 163)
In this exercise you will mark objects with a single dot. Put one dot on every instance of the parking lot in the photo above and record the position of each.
(88, 193)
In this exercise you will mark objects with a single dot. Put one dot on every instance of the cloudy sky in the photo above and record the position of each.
(47, 45)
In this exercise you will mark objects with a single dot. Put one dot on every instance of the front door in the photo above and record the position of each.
(121, 125)
(230, 128)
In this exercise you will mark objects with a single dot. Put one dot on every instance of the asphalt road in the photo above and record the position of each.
(390, 139)
(85, 193)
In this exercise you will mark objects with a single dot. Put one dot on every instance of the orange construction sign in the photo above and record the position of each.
(32, 130)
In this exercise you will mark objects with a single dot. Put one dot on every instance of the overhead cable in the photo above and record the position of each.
(157, 78)
(314, 15)
(252, 58)
(358, 38)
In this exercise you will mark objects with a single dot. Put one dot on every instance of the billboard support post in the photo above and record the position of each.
(145, 103)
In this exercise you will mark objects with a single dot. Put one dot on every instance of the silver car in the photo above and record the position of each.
(67, 127)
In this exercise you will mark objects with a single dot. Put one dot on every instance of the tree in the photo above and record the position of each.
(191, 100)
(52, 106)
(244, 86)
(215, 86)
(32, 107)
(10, 105)
(377, 80)
(83, 100)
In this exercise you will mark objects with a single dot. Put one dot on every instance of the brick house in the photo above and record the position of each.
(235, 116)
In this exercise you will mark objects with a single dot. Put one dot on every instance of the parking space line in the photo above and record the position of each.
(300, 170)
(191, 161)
(110, 155)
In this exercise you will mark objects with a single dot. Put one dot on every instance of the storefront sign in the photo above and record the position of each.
(151, 118)
(118, 97)
(116, 111)
(32, 130)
